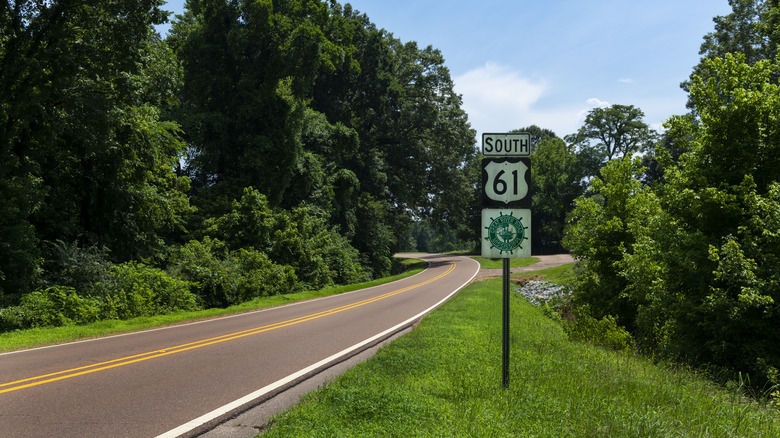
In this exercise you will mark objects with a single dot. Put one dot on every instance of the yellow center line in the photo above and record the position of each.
(88, 369)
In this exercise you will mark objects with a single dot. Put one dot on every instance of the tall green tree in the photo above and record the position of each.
(603, 231)
(538, 135)
(557, 179)
(616, 131)
(712, 254)
(413, 138)
(248, 66)
(690, 265)
(752, 29)
(83, 91)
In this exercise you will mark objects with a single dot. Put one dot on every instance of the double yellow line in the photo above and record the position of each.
(75, 372)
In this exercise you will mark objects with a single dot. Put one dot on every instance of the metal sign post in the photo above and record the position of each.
(505, 329)
(506, 214)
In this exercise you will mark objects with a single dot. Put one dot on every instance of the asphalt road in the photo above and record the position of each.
(180, 379)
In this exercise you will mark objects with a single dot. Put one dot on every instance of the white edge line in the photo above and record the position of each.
(203, 321)
(203, 419)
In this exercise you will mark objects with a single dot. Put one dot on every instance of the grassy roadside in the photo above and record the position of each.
(37, 337)
(499, 263)
(444, 379)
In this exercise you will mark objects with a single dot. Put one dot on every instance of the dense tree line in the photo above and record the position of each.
(264, 146)
(681, 246)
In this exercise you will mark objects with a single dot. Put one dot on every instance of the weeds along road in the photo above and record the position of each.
(181, 379)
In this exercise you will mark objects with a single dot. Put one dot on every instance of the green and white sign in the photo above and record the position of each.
(505, 182)
(506, 233)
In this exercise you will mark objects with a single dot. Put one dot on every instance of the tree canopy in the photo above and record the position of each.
(291, 137)
(616, 131)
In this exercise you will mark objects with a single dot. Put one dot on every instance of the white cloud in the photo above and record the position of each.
(595, 102)
(626, 81)
(498, 98)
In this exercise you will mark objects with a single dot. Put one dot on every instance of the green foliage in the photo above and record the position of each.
(425, 237)
(312, 141)
(86, 153)
(602, 232)
(221, 277)
(328, 114)
(691, 267)
(128, 290)
(556, 181)
(19, 253)
(260, 277)
(751, 29)
(604, 332)
(68, 264)
(298, 238)
(134, 289)
(538, 135)
(618, 131)
(53, 307)
(248, 66)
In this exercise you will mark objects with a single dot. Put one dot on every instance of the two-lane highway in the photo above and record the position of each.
(173, 380)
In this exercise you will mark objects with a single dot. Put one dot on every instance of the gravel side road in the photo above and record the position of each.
(545, 261)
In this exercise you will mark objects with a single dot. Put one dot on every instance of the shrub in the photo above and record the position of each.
(68, 264)
(299, 238)
(260, 277)
(604, 332)
(222, 278)
(53, 307)
(202, 263)
(134, 289)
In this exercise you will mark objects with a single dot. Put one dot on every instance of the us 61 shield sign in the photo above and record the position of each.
(505, 182)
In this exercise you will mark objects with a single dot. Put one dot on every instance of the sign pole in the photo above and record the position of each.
(506, 212)
(505, 355)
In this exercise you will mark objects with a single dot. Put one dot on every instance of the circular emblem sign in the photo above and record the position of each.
(506, 233)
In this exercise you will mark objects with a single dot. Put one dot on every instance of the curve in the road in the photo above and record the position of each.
(75, 372)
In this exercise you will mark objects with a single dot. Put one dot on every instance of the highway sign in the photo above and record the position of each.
(505, 182)
(506, 145)
(506, 233)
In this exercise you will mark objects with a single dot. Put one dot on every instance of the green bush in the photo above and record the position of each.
(222, 278)
(53, 307)
(68, 264)
(299, 238)
(260, 277)
(604, 332)
(203, 264)
(129, 290)
(134, 289)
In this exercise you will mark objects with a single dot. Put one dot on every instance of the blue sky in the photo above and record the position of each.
(524, 62)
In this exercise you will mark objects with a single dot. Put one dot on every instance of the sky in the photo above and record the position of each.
(518, 63)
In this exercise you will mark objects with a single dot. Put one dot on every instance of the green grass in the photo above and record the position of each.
(499, 263)
(444, 379)
(563, 274)
(37, 337)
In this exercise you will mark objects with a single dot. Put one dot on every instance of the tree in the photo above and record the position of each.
(83, 92)
(704, 267)
(538, 135)
(248, 66)
(556, 181)
(413, 141)
(618, 131)
(603, 230)
(752, 29)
